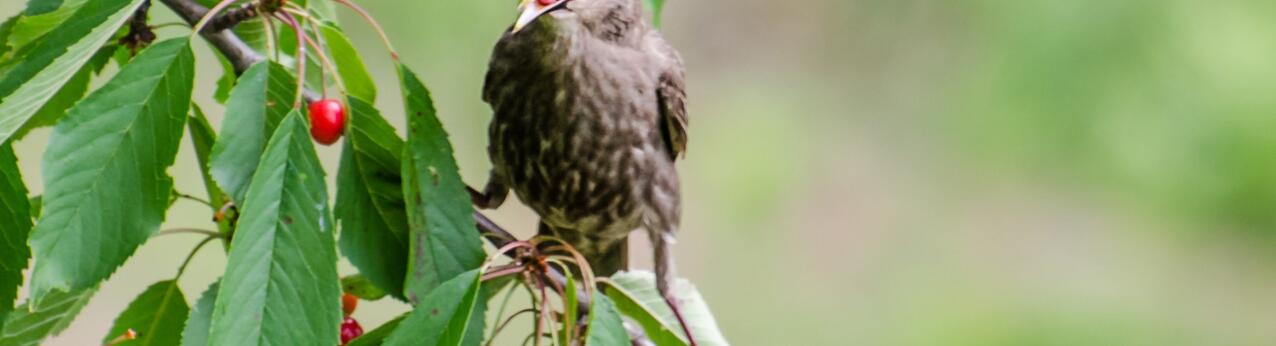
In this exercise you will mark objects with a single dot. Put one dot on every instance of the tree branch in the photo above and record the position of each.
(242, 56)
(232, 17)
(238, 52)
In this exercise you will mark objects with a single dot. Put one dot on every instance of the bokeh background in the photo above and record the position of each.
(904, 172)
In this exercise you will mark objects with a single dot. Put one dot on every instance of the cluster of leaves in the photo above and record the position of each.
(402, 208)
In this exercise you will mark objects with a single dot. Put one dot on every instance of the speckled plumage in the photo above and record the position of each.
(589, 118)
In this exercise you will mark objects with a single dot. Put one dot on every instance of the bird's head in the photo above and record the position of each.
(605, 18)
(529, 10)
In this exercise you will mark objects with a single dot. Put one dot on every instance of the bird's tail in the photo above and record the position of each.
(611, 260)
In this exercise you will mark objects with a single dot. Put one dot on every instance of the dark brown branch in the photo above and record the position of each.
(499, 237)
(232, 17)
(240, 55)
(238, 52)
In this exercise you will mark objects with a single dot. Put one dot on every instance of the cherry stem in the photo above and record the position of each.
(506, 322)
(190, 231)
(193, 198)
(501, 312)
(323, 56)
(191, 255)
(169, 24)
(375, 26)
(301, 55)
(544, 305)
(586, 271)
(209, 16)
(271, 38)
(505, 270)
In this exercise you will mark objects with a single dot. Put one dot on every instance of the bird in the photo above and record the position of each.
(589, 117)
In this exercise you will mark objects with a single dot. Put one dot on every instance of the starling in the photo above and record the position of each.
(589, 116)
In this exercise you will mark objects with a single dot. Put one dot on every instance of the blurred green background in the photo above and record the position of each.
(904, 172)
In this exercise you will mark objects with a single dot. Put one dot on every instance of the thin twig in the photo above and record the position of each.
(191, 256)
(540, 320)
(507, 321)
(169, 24)
(210, 15)
(232, 17)
(500, 312)
(394, 55)
(272, 44)
(326, 63)
(300, 56)
(502, 271)
(193, 198)
(209, 233)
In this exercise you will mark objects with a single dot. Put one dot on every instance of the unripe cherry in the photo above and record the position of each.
(348, 303)
(327, 121)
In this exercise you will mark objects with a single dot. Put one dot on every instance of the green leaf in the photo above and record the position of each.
(39, 19)
(28, 326)
(280, 285)
(15, 225)
(443, 316)
(656, 7)
(57, 106)
(201, 318)
(70, 93)
(377, 336)
(441, 236)
(6, 29)
(636, 296)
(35, 202)
(326, 11)
(106, 187)
(495, 286)
(157, 315)
(478, 318)
(288, 58)
(370, 206)
(55, 58)
(354, 76)
(261, 99)
(605, 326)
(36, 7)
(226, 82)
(359, 286)
(203, 139)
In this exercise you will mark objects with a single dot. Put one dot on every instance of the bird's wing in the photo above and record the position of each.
(672, 93)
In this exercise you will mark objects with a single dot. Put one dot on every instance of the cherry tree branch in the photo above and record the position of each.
(239, 53)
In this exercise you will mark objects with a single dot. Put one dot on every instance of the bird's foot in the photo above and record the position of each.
(675, 305)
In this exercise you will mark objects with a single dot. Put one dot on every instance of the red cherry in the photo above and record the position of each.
(327, 121)
(350, 330)
(348, 303)
(546, 2)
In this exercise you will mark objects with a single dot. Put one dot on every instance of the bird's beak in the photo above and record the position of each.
(529, 10)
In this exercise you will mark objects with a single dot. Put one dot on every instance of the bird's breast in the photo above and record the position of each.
(574, 139)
